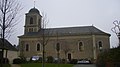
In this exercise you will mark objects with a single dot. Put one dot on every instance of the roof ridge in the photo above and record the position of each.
(78, 30)
(68, 27)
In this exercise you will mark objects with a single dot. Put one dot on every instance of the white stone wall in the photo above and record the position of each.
(11, 55)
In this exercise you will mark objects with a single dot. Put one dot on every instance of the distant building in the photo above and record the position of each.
(78, 42)
(9, 50)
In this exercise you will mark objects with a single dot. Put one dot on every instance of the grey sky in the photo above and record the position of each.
(68, 13)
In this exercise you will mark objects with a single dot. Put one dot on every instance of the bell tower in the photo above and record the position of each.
(32, 21)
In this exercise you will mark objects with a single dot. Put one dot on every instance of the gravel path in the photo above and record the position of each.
(84, 65)
(15, 65)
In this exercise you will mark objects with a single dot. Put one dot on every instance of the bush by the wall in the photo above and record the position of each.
(50, 59)
(40, 60)
(19, 61)
(73, 61)
(63, 61)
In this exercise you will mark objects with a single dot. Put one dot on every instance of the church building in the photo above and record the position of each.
(81, 42)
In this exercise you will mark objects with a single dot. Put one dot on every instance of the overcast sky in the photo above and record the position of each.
(69, 13)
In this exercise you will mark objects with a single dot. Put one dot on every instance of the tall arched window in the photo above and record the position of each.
(27, 47)
(80, 46)
(38, 47)
(100, 45)
(58, 46)
(31, 20)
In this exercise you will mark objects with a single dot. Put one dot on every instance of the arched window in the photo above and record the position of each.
(31, 20)
(100, 45)
(38, 47)
(27, 47)
(58, 46)
(80, 46)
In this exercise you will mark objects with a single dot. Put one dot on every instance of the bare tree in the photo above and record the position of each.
(45, 35)
(116, 29)
(8, 12)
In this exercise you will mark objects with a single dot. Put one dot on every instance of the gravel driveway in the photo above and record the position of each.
(84, 65)
(15, 65)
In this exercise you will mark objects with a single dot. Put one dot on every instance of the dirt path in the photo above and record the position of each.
(15, 65)
(84, 65)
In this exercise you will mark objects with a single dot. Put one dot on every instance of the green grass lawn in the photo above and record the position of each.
(46, 65)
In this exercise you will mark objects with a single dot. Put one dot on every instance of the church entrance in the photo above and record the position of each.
(69, 56)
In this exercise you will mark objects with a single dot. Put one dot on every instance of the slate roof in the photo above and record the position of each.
(7, 45)
(66, 31)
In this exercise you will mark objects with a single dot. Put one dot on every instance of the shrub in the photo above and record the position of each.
(63, 60)
(57, 60)
(19, 60)
(73, 61)
(40, 59)
(50, 59)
